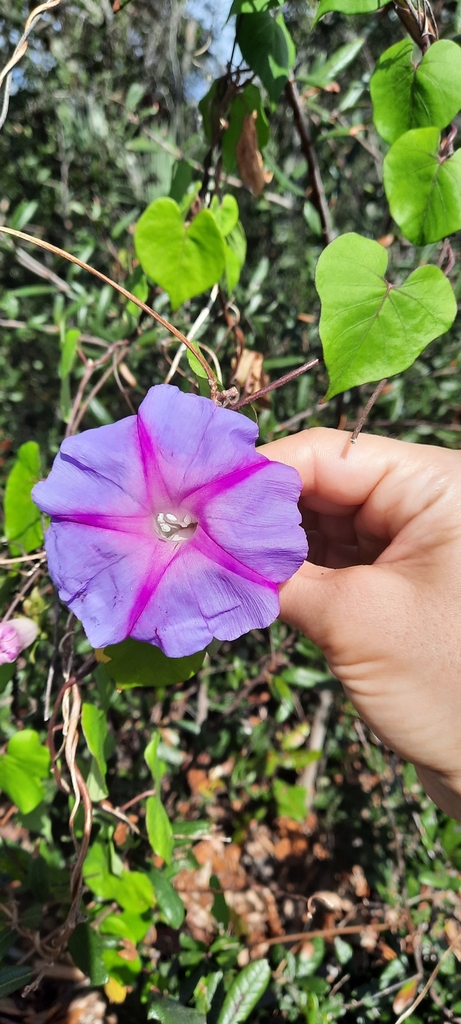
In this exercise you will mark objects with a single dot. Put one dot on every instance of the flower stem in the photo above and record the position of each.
(277, 383)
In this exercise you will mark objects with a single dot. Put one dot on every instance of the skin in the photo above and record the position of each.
(381, 592)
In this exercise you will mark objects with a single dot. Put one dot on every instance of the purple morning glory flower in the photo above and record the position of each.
(169, 527)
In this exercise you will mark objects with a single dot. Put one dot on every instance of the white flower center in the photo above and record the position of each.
(171, 527)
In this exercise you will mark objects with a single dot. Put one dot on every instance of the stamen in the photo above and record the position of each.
(169, 526)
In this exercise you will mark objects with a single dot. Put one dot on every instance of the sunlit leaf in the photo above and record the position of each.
(423, 189)
(406, 95)
(370, 328)
(184, 260)
(159, 828)
(23, 528)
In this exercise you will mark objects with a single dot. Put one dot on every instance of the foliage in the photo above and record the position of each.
(204, 826)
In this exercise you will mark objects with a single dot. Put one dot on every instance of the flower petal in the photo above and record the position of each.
(205, 593)
(27, 631)
(256, 518)
(105, 577)
(190, 441)
(99, 473)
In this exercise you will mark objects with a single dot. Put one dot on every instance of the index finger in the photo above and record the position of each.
(337, 476)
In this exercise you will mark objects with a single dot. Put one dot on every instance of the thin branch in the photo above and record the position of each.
(364, 415)
(429, 982)
(213, 383)
(276, 383)
(323, 933)
(318, 192)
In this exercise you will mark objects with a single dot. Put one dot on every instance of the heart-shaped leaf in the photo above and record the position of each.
(423, 189)
(184, 260)
(407, 95)
(133, 663)
(268, 48)
(348, 7)
(369, 328)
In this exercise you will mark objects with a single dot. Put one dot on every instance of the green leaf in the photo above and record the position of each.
(26, 748)
(133, 663)
(94, 725)
(244, 103)
(246, 990)
(253, 6)
(195, 365)
(268, 49)
(170, 1012)
(408, 96)
(159, 828)
(7, 938)
(236, 250)
(325, 71)
(12, 978)
(185, 261)
(86, 949)
(290, 800)
(23, 528)
(205, 990)
(226, 214)
(348, 7)
(169, 902)
(369, 328)
(22, 767)
(68, 352)
(23, 789)
(343, 950)
(133, 890)
(423, 190)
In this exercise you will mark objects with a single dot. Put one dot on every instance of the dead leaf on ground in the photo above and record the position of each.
(249, 159)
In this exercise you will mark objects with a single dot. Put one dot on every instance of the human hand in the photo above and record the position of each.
(381, 593)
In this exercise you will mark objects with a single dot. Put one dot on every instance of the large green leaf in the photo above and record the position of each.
(184, 260)
(370, 328)
(245, 992)
(23, 528)
(168, 1011)
(423, 190)
(268, 49)
(133, 663)
(407, 95)
(348, 7)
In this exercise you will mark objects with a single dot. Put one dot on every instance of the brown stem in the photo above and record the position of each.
(318, 193)
(277, 383)
(364, 416)
(325, 933)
